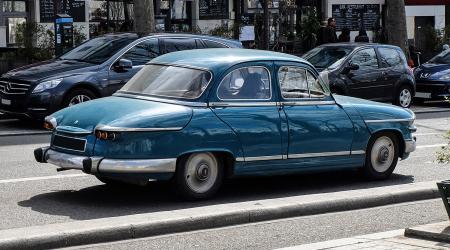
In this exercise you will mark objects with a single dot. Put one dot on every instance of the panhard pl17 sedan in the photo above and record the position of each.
(197, 117)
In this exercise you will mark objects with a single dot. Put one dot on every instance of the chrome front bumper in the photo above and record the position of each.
(93, 165)
(410, 146)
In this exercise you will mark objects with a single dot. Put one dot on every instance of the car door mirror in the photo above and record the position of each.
(350, 66)
(123, 65)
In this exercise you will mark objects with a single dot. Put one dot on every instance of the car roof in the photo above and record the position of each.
(358, 44)
(221, 59)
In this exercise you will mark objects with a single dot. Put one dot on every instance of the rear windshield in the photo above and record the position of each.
(97, 50)
(168, 81)
(323, 57)
(442, 58)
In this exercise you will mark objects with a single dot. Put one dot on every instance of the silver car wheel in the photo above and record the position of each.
(405, 98)
(79, 99)
(201, 172)
(382, 154)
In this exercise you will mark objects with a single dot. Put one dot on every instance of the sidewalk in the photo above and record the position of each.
(421, 237)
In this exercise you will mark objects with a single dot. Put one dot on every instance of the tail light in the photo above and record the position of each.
(106, 135)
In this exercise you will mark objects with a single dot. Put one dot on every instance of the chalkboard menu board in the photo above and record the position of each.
(213, 9)
(74, 8)
(356, 16)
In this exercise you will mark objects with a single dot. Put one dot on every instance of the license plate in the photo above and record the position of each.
(423, 95)
(6, 102)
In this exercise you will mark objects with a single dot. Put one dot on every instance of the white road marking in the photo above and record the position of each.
(422, 134)
(42, 178)
(432, 146)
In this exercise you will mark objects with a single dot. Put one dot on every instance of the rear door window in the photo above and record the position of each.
(177, 44)
(390, 57)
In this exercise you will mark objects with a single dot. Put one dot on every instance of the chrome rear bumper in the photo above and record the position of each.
(93, 165)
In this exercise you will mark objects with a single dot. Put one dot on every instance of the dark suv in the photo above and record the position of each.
(96, 68)
(372, 71)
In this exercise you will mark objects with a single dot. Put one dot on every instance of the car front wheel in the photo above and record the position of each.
(77, 96)
(381, 156)
(404, 96)
(198, 176)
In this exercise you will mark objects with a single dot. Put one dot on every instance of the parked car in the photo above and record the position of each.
(433, 78)
(371, 71)
(199, 116)
(96, 68)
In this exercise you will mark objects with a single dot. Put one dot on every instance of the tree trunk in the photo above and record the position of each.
(144, 17)
(396, 23)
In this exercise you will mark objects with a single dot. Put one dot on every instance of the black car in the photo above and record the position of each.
(372, 71)
(96, 68)
(433, 78)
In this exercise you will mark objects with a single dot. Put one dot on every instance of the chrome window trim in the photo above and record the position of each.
(123, 129)
(270, 85)
(156, 99)
(305, 103)
(241, 104)
(85, 142)
(142, 65)
(390, 120)
(179, 66)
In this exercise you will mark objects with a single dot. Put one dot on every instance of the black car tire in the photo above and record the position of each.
(198, 176)
(381, 156)
(71, 97)
(404, 92)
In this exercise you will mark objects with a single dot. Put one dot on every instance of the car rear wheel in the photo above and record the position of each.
(78, 96)
(198, 176)
(404, 96)
(381, 156)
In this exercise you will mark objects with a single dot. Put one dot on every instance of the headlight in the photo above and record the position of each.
(47, 85)
(445, 77)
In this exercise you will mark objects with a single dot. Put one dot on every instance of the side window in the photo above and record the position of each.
(390, 57)
(366, 59)
(293, 82)
(211, 44)
(177, 44)
(143, 52)
(315, 88)
(249, 83)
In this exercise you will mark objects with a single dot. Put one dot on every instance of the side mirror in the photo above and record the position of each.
(123, 65)
(350, 66)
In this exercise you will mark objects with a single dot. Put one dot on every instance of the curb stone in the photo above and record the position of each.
(151, 224)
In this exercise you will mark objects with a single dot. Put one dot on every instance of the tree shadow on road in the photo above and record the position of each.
(102, 201)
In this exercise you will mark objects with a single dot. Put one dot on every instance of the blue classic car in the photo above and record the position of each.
(197, 117)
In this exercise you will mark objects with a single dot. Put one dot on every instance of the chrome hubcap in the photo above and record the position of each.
(405, 98)
(201, 172)
(79, 99)
(382, 154)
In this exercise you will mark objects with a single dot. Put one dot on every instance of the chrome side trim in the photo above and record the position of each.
(358, 152)
(137, 166)
(240, 159)
(64, 160)
(264, 158)
(73, 132)
(163, 100)
(390, 120)
(305, 103)
(241, 104)
(122, 129)
(325, 154)
(410, 146)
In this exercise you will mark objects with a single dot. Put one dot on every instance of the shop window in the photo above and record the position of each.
(12, 27)
(110, 16)
(14, 6)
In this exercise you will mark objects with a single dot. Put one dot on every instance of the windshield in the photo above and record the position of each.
(323, 57)
(442, 58)
(97, 50)
(169, 81)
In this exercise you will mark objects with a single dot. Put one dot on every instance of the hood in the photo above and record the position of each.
(124, 113)
(47, 69)
(370, 110)
(431, 70)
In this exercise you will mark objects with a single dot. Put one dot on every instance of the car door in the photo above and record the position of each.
(392, 69)
(320, 131)
(139, 55)
(244, 100)
(365, 81)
